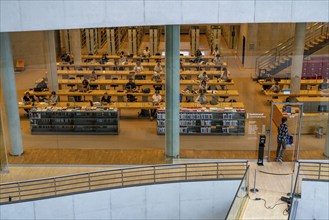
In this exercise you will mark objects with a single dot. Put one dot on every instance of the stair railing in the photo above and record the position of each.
(284, 50)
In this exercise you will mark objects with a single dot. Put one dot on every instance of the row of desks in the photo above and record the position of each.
(81, 73)
(151, 58)
(115, 93)
(66, 82)
(136, 105)
(150, 65)
(301, 93)
(288, 81)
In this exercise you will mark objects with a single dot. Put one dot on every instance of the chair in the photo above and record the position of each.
(114, 85)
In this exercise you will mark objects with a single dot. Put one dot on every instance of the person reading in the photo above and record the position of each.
(202, 99)
(131, 87)
(106, 99)
(156, 99)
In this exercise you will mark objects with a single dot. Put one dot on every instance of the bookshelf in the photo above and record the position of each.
(212, 121)
(62, 120)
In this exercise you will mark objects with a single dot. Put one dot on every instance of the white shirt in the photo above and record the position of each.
(53, 99)
(203, 77)
(158, 69)
(216, 60)
(201, 99)
(146, 53)
(156, 98)
(138, 69)
(216, 52)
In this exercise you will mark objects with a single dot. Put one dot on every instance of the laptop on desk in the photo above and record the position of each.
(286, 91)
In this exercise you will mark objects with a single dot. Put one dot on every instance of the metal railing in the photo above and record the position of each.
(317, 171)
(240, 198)
(283, 51)
(109, 179)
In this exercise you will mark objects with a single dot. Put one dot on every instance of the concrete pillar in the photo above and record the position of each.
(172, 35)
(50, 53)
(297, 57)
(76, 45)
(326, 145)
(8, 85)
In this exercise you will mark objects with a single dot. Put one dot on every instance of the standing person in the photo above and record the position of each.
(156, 99)
(282, 138)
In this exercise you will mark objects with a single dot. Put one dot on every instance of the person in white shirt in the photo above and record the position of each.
(216, 60)
(202, 99)
(157, 71)
(53, 98)
(156, 99)
(138, 69)
(203, 76)
(146, 52)
(216, 51)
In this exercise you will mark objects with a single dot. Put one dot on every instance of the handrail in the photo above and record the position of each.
(284, 49)
(237, 192)
(116, 178)
(300, 172)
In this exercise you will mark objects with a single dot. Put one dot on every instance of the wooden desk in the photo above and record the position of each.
(301, 93)
(310, 120)
(114, 93)
(135, 105)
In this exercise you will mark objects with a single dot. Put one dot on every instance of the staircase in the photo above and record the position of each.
(280, 57)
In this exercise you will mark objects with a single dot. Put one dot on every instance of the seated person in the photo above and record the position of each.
(275, 88)
(157, 69)
(66, 58)
(29, 99)
(224, 76)
(106, 98)
(53, 98)
(198, 55)
(93, 76)
(216, 51)
(201, 98)
(41, 84)
(214, 100)
(146, 52)
(156, 99)
(123, 60)
(217, 60)
(267, 79)
(203, 76)
(203, 86)
(85, 85)
(138, 69)
(324, 85)
(131, 87)
(104, 59)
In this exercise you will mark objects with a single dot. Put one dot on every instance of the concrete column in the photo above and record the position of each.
(8, 85)
(76, 45)
(172, 35)
(297, 57)
(326, 145)
(50, 53)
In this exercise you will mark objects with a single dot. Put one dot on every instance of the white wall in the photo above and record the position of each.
(314, 200)
(26, 15)
(192, 200)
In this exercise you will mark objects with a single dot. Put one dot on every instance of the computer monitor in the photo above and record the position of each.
(286, 91)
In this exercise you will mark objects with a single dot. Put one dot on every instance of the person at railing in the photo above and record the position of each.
(104, 59)
(282, 139)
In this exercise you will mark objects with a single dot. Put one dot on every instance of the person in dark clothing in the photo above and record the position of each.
(28, 99)
(282, 138)
(324, 85)
(106, 98)
(130, 87)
